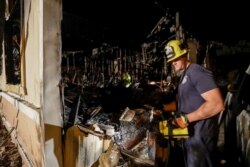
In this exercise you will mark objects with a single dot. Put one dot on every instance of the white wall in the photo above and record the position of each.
(36, 114)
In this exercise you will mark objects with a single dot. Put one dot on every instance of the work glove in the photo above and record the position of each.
(180, 120)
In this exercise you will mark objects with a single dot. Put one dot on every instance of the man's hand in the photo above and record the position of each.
(180, 120)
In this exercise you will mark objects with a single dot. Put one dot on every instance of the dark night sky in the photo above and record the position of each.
(218, 20)
(132, 20)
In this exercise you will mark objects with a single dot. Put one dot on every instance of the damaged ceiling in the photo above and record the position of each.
(130, 22)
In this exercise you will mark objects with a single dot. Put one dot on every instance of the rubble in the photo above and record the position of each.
(9, 154)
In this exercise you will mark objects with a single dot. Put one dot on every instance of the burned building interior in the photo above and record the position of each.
(115, 78)
(114, 72)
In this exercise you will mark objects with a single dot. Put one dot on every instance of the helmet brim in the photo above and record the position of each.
(177, 56)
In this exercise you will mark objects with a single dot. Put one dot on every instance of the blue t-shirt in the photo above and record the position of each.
(196, 80)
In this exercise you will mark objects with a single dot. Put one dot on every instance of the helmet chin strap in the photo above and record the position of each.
(186, 65)
(187, 62)
(183, 72)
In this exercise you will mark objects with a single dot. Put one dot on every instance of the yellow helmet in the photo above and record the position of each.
(175, 49)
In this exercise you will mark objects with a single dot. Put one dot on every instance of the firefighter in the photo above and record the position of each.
(126, 79)
(199, 102)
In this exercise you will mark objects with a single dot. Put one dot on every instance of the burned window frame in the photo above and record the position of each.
(14, 56)
(2, 20)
